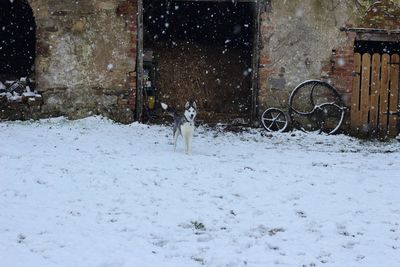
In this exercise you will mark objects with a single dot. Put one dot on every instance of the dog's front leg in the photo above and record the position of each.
(190, 144)
(188, 141)
(176, 135)
(186, 137)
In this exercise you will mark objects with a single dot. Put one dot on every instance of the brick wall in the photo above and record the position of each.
(128, 9)
(338, 70)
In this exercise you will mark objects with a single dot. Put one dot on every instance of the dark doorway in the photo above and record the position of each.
(203, 50)
(379, 47)
(18, 39)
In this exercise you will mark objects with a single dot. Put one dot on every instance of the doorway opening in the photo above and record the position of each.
(201, 50)
(18, 42)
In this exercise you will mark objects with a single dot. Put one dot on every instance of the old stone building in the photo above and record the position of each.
(236, 58)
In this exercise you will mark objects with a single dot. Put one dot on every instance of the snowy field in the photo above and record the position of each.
(94, 193)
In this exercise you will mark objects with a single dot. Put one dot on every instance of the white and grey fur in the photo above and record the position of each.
(183, 125)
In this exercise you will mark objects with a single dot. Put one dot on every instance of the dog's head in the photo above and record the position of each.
(190, 110)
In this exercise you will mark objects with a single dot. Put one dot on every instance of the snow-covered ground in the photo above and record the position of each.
(95, 193)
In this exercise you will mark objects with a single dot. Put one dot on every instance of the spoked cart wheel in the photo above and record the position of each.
(330, 117)
(274, 120)
(316, 106)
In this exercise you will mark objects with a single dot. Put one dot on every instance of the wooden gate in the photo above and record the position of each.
(375, 92)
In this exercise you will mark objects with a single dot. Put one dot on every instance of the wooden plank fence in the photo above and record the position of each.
(375, 92)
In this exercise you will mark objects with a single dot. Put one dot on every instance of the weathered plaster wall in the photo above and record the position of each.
(298, 37)
(86, 57)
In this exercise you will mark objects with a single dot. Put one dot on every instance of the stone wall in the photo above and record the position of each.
(86, 57)
(86, 52)
(301, 40)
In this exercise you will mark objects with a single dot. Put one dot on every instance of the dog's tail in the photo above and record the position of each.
(170, 111)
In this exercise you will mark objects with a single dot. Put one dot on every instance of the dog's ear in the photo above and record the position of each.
(194, 104)
(187, 105)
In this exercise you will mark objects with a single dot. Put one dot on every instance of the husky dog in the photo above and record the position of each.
(183, 125)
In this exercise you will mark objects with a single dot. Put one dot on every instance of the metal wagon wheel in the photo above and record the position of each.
(330, 116)
(274, 120)
(316, 106)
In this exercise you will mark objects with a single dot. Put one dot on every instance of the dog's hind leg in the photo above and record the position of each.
(188, 142)
(186, 139)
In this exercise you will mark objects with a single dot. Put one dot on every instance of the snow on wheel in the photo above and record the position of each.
(274, 120)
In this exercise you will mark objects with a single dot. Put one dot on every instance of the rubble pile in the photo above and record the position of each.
(19, 100)
(18, 91)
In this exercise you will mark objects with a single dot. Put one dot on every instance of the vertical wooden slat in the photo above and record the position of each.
(365, 94)
(393, 94)
(383, 95)
(374, 100)
(355, 94)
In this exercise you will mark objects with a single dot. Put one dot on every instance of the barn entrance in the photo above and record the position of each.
(201, 50)
(375, 92)
(18, 98)
(18, 40)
